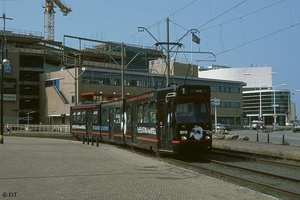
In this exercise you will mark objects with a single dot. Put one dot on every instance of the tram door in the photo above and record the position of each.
(131, 123)
(165, 126)
(111, 123)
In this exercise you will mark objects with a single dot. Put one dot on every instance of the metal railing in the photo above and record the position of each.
(36, 128)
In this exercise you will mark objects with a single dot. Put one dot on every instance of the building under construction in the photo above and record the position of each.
(47, 77)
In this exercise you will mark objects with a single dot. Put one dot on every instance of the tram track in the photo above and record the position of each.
(249, 171)
(247, 155)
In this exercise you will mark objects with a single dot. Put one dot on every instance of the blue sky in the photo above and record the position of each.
(239, 32)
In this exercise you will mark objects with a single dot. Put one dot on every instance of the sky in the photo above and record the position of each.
(240, 33)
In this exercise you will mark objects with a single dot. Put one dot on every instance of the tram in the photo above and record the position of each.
(173, 120)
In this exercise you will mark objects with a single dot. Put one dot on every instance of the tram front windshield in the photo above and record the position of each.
(192, 112)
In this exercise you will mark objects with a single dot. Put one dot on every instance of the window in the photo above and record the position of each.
(129, 114)
(74, 117)
(118, 115)
(95, 116)
(152, 112)
(118, 81)
(138, 83)
(104, 116)
(146, 115)
(127, 82)
(140, 113)
(82, 118)
(78, 116)
(133, 83)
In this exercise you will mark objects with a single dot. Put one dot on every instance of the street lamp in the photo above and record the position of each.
(259, 76)
(274, 105)
(28, 118)
(5, 63)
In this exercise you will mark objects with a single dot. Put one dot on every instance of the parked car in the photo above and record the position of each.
(296, 128)
(219, 127)
(227, 127)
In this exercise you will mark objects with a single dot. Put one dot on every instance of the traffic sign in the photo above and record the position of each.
(215, 102)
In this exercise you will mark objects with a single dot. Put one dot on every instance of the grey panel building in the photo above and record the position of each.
(261, 99)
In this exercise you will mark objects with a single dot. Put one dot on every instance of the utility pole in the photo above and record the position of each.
(168, 54)
(166, 47)
(3, 61)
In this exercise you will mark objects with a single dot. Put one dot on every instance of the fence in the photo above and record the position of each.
(36, 128)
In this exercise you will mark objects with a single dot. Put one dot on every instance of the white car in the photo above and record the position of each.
(219, 127)
(296, 128)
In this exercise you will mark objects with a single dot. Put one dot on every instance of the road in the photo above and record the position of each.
(275, 137)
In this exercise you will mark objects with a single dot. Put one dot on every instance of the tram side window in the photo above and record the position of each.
(74, 118)
(152, 112)
(129, 114)
(78, 116)
(118, 115)
(146, 115)
(104, 116)
(95, 116)
(83, 116)
(140, 113)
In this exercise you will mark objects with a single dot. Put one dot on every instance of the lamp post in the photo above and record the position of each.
(259, 77)
(28, 118)
(3, 63)
(298, 90)
(274, 104)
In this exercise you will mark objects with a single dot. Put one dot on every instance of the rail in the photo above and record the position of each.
(36, 128)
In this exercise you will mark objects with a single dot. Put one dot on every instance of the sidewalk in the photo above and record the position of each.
(41, 168)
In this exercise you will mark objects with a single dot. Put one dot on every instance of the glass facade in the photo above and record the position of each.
(271, 106)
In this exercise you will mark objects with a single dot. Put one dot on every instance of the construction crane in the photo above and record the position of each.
(49, 16)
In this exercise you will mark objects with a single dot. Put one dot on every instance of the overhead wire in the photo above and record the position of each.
(240, 18)
(164, 19)
(221, 24)
(254, 40)
(243, 16)
(222, 14)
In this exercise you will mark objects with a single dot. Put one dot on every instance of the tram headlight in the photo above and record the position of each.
(207, 137)
(183, 138)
